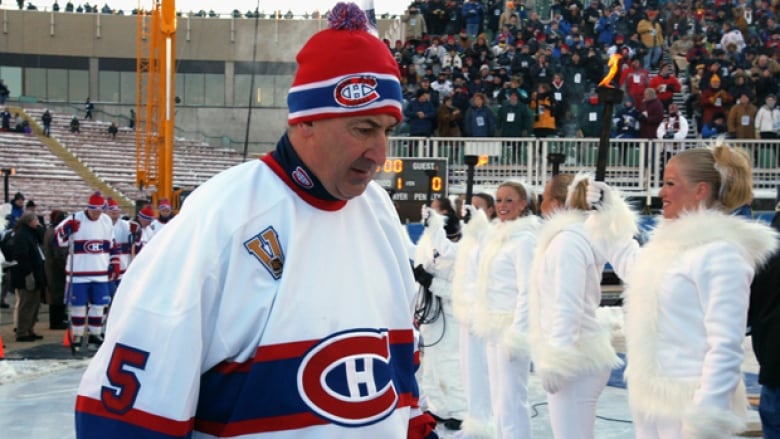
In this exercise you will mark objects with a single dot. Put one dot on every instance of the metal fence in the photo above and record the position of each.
(634, 166)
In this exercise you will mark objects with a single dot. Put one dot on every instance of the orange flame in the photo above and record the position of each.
(483, 160)
(614, 66)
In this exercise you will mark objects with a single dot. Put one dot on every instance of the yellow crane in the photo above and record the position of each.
(155, 98)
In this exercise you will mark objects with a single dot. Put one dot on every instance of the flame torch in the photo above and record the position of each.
(609, 95)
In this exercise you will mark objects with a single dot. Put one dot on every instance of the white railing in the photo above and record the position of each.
(628, 166)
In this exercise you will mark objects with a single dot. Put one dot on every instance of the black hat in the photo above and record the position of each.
(18, 196)
(30, 203)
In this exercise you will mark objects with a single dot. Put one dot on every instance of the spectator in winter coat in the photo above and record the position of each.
(28, 276)
(768, 119)
(480, 121)
(448, 117)
(634, 80)
(715, 127)
(544, 115)
(626, 120)
(514, 118)
(421, 115)
(741, 120)
(665, 84)
(714, 99)
(473, 12)
(651, 116)
(652, 35)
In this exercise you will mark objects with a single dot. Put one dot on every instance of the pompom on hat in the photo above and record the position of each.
(96, 202)
(112, 204)
(344, 71)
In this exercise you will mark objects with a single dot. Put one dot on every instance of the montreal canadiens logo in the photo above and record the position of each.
(347, 378)
(356, 91)
(302, 178)
(93, 246)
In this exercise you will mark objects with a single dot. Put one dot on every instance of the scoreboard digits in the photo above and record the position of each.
(412, 181)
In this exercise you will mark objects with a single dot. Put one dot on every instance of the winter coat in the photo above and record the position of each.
(764, 317)
(742, 121)
(29, 259)
(480, 122)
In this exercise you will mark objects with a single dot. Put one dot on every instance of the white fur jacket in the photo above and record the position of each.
(437, 255)
(502, 279)
(464, 279)
(686, 301)
(565, 292)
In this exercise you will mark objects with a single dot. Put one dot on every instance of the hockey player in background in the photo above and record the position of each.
(149, 226)
(279, 303)
(442, 378)
(126, 234)
(89, 235)
(165, 213)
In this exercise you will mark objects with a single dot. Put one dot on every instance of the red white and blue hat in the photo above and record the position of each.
(96, 202)
(146, 213)
(164, 204)
(112, 204)
(345, 71)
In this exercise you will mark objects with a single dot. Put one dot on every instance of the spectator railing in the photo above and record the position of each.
(634, 166)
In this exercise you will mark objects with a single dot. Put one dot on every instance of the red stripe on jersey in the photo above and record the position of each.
(305, 196)
(401, 336)
(274, 352)
(136, 417)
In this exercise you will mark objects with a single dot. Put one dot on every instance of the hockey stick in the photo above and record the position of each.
(69, 298)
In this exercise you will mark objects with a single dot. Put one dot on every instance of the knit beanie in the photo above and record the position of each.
(344, 71)
(96, 202)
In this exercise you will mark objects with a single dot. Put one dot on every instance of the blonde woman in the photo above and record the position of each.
(571, 351)
(501, 311)
(687, 293)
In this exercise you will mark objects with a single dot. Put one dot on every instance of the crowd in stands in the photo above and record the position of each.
(492, 68)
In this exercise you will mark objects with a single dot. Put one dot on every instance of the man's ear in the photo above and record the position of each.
(305, 129)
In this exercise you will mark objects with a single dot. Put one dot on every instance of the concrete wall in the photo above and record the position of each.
(96, 36)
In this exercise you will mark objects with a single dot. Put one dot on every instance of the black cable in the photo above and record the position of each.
(427, 310)
(535, 413)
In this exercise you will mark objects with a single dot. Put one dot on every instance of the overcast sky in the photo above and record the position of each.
(299, 7)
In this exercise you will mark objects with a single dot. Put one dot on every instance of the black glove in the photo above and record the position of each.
(422, 277)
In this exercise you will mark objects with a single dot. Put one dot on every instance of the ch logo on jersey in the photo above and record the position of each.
(300, 176)
(94, 247)
(347, 378)
(356, 91)
(265, 247)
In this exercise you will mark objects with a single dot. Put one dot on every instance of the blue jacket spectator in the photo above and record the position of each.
(714, 128)
(473, 12)
(626, 120)
(420, 114)
(480, 120)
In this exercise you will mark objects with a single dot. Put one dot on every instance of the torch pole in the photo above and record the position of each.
(471, 162)
(609, 96)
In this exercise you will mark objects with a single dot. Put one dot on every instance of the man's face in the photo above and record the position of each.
(114, 215)
(344, 152)
(19, 202)
(165, 212)
(93, 214)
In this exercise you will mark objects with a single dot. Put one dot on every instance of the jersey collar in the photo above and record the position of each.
(286, 164)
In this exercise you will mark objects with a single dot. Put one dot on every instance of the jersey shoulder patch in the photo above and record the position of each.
(267, 249)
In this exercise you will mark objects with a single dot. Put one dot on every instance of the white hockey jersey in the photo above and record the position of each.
(123, 239)
(261, 312)
(89, 256)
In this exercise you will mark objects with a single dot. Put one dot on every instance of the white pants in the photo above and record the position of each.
(442, 377)
(573, 407)
(658, 429)
(509, 391)
(475, 380)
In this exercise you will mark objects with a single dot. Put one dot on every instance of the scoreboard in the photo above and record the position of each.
(412, 182)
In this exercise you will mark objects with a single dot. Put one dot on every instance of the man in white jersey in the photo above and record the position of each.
(146, 220)
(279, 303)
(126, 234)
(89, 236)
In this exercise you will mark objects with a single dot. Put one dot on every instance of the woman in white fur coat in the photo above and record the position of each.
(501, 310)
(478, 420)
(687, 293)
(571, 351)
(441, 381)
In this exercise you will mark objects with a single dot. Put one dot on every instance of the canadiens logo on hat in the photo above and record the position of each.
(356, 91)
(300, 176)
(344, 71)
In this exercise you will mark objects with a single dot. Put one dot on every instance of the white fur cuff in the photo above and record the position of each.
(516, 342)
(613, 222)
(711, 423)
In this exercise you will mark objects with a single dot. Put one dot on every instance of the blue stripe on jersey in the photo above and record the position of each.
(94, 421)
(245, 397)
